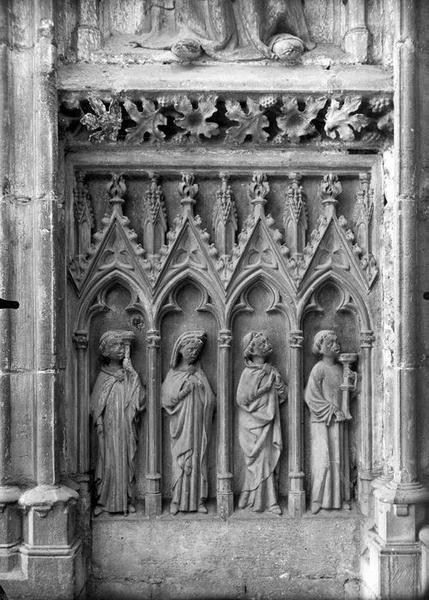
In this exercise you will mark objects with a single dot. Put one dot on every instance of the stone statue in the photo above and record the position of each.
(229, 29)
(326, 395)
(189, 401)
(116, 403)
(260, 392)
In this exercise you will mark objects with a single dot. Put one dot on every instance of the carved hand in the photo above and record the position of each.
(339, 416)
(127, 365)
(186, 389)
(100, 427)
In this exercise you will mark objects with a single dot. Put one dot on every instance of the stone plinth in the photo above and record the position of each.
(247, 556)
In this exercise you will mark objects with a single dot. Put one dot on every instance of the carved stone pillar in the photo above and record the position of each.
(153, 499)
(49, 508)
(225, 500)
(365, 462)
(356, 38)
(88, 33)
(10, 518)
(296, 496)
(394, 550)
(80, 339)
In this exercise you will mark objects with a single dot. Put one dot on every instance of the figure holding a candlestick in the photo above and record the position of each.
(116, 403)
(327, 395)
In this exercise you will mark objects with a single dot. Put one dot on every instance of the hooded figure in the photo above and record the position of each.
(228, 29)
(116, 403)
(189, 401)
(260, 392)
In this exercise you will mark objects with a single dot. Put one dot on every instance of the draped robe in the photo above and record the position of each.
(226, 29)
(117, 398)
(323, 397)
(260, 434)
(190, 422)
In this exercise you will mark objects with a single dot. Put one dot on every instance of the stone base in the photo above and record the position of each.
(49, 577)
(249, 555)
(225, 504)
(10, 536)
(296, 503)
(49, 564)
(391, 571)
(153, 505)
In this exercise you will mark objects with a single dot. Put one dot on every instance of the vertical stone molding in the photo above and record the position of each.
(80, 340)
(48, 513)
(88, 34)
(394, 549)
(295, 216)
(296, 495)
(10, 517)
(357, 36)
(424, 583)
(225, 500)
(153, 499)
(365, 467)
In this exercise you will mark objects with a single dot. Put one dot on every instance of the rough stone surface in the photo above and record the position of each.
(246, 557)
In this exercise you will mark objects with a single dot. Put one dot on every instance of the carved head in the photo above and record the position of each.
(189, 346)
(325, 343)
(256, 343)
(113, 342)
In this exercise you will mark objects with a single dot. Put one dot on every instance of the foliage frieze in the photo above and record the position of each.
(265, 119)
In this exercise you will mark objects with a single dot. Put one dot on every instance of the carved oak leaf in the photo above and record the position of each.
(297, 123)
(340, 120)
(194, 121)
(108, 122)
(251, 123)
(148, 121)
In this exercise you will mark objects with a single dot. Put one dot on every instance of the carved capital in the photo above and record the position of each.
(153, 338)
(296, 339)
(224, 338)
(80, 340)
(367, 339)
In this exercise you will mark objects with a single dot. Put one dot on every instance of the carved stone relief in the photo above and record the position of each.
(267, 120)
(279, 248)
(327, 395)
(229, 31)
(116, 403)
(259, 393)
(189, 401)
(232, 30)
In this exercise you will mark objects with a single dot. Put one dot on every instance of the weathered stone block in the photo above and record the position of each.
(50, 526)
(202, 556)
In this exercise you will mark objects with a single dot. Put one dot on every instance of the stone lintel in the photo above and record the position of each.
(231, 78)
(169, 159)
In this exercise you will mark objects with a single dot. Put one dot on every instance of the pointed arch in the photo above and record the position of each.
(132, 284)
(275, 285)
(202, 281)
(344, 281)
